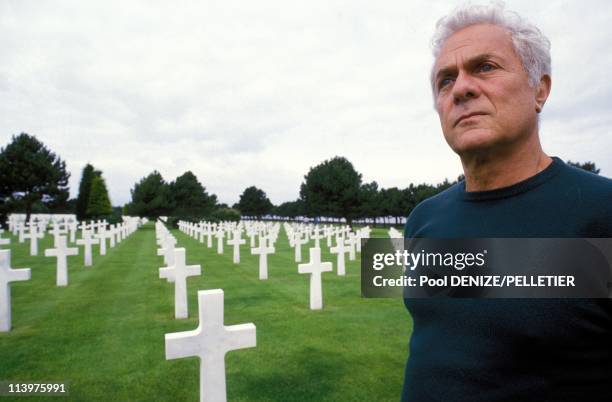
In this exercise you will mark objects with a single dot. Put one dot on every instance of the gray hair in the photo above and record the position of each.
(532, 47)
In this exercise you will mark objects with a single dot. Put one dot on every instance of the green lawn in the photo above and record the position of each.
(104, 333)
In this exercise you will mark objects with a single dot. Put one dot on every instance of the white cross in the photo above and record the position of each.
(219, 236)
(263, 252)
(87, 241)
(12, 225)
(252, 234)
(328, 235)
(179, 273)
(167, 250)
(160, 233)
(395, 234)
(61, 251)
(34, 236)
(272, 239)
(340, 249)
(351, 242)
(112, 231)
(359, 235)
(201, 232)
(102, 238)
(315, 268)
(236, 241)
(21, 233)
(317, 237)
(73, 229)
(8, 275)
(298, 241)
(209, 234)
(83, 226)
(364, 233)
(57, 231)
(119, 233)
(55, 239)
(210, 341)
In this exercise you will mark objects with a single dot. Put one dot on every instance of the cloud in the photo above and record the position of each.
(255, 93)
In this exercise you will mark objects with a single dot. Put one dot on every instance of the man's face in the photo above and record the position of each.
(482, 93)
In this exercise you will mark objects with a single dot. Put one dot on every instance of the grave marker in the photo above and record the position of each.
(340, 249)
(210, 341)
(219, 236)
(236, 241)
(34, 235)
(61, 251)
(298, 241)
(8, 275)
(102, 236)
(351, 242)
(179, 273)
(315, 268)
(263, 250)
(87, 241)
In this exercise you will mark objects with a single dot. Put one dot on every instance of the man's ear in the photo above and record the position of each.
(542, 92)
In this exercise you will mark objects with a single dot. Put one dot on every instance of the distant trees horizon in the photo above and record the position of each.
(33, 179)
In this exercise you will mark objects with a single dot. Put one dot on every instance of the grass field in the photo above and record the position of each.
(104, 333)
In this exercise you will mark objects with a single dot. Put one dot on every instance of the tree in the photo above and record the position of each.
(332, 189)
(588, 166)
(82, 203)
(424, 191)
(370, 201)
(150, 197)
(190, 198)
(225, 214)
(408, 199)
(391, 203)
(31, 173)
(290, 209)
(99, 205)
(254, 202)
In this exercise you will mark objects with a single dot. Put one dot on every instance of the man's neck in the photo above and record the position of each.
(498, 170)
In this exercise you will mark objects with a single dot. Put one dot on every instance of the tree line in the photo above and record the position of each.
(335, 189)
(33, 179)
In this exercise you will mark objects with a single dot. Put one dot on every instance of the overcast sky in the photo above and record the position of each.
(256, 92)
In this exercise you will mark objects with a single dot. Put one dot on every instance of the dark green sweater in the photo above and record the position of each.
(513, 349)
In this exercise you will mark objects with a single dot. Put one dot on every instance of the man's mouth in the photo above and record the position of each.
(467, 116)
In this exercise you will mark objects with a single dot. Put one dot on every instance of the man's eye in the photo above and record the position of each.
(486, 67)
(444, 82)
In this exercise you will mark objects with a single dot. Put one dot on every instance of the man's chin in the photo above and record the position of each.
(475, 141)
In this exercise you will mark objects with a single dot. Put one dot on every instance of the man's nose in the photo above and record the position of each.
(465, 88)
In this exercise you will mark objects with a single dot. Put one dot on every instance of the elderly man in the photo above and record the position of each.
(490, 80)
